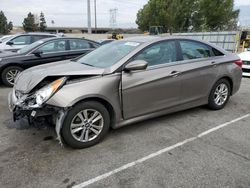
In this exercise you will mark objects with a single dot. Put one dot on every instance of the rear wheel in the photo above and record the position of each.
(9, 74)
(219, 94)
(85, 124)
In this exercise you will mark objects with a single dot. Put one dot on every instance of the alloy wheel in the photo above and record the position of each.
(11, 75)
(87, 125)
(221, 94)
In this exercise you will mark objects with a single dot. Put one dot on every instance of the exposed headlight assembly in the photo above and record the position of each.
(44, 94)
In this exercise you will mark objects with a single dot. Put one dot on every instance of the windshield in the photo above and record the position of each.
(5, 38)
(29, 47)
(109, 54)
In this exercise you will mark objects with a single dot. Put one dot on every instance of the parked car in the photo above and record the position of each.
(41, 52)
(245, 57)
(5, 37)
(15, 42)
(123, 82)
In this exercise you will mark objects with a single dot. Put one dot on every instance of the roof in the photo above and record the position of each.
(58, 38)
(142, 39)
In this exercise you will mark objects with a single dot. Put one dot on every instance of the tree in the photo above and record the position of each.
(29, 23)
(10, 26)
(42, 24)
(188, 15)
(5, 27)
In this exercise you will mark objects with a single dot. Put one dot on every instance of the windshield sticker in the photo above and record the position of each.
(132, 43)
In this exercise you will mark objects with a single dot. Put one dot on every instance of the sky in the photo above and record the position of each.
(73, 13)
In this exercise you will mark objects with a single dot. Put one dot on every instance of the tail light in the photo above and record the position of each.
(239, 63)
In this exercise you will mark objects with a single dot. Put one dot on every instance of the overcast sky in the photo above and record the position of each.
(74, 12)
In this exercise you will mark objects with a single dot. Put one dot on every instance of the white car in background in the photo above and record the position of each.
(4, 38)
(16, 42)
(245, 57)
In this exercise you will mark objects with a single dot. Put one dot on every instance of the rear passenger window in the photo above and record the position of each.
(194, 50)
(217, 52)
(76, 44)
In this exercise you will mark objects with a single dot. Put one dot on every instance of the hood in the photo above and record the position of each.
(4, 54)
(29, 78)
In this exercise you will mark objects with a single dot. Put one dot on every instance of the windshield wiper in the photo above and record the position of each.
(87, 64)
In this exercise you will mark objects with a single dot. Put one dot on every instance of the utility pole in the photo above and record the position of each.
(95, 18)
(89, 16)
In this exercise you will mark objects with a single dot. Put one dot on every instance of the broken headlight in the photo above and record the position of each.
(43, 94)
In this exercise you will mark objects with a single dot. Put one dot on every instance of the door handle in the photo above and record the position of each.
(214, 63)
(175, 73)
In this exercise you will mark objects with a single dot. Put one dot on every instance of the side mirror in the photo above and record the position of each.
(37, 53)
(136, 65)
(10, 43)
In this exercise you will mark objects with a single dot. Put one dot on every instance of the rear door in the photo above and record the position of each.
(79, 47)
(157, 87)
(198, 70)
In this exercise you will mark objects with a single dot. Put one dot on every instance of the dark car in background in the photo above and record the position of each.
(41, 52)
(15, 42)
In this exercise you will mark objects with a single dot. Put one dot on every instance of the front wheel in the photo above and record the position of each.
(9, 74)
(219, 94)
(85, 124)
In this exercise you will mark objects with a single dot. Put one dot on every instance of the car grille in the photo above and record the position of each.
(246, 62)
(246, 70)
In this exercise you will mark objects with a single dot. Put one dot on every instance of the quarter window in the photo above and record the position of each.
(161, 53)
(22, 40)
(194, 50)
(55, 46)
(217, 52)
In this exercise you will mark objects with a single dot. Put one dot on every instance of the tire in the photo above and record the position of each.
(7, 79)
(214, 102)
(77, 116)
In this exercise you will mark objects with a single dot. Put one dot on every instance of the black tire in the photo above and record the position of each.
(67, 136)
(211, 100)
(5, 74)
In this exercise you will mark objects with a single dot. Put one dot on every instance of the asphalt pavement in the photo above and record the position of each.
(32, 157)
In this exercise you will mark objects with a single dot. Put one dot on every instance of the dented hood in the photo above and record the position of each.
(29, 78)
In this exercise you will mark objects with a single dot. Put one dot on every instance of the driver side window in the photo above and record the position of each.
(161, 53)
(54, 46)
(22, 40)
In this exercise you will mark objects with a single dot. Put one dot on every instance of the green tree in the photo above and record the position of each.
(5, 27)
(10, 26)
(188, 15)
(42, 24)
(29, 24)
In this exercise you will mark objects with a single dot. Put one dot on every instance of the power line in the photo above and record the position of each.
(112, 20)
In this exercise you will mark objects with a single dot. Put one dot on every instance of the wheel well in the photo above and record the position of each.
(10, 65)
(230, 82)
(106, 104)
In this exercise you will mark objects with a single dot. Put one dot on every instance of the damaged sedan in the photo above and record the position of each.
(123, 82)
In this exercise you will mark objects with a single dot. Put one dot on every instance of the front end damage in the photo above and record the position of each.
(33, 107)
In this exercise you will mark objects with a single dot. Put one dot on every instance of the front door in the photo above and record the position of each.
(50, 52)
(157, 87)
